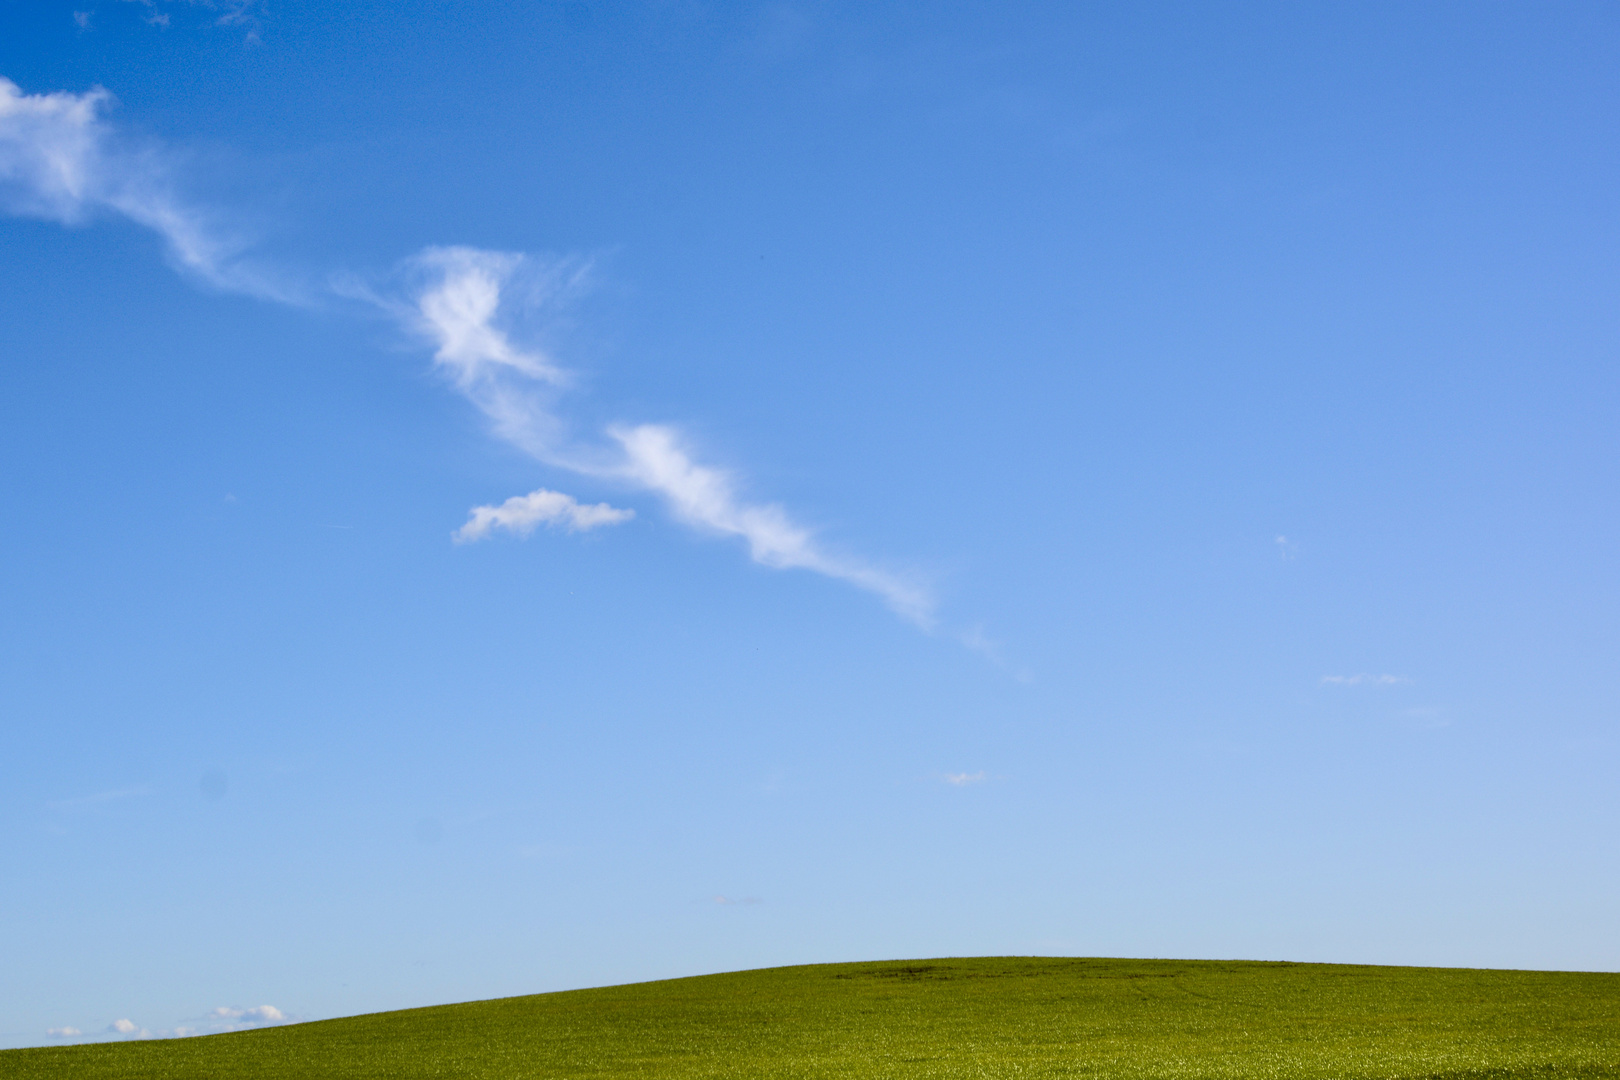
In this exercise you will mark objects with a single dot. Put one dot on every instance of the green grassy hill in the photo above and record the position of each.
(1012, 1017)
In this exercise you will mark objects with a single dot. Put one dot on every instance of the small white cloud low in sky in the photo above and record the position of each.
(259, 1014)
(225, 1018)
(522, 513)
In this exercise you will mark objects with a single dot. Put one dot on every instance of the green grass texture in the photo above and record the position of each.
(996, 1017)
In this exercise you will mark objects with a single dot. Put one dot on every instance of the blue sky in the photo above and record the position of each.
(504, 497)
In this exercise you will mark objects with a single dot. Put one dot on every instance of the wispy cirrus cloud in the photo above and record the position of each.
(227, 13)
(80, 802)
(61, 160)
(706, 498)
(458, 305)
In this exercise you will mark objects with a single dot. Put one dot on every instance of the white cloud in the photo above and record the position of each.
(521, 513)
(455, 301)
(49, 150)
(962, 779)
(1364, 680)
(63, 1032)
(458, 312)
(260, 1014)
(60, 160)
(125, 1027)
(227, 1018)
(457, 305)
(706, 498)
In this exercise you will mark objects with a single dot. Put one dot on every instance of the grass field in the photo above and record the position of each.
(1002, 1017)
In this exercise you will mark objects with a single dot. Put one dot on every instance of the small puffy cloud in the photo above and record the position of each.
(124, 1027)
(962, 779)
(1364, 680)
(260, 1014)
(64, 1032)
(522, 513)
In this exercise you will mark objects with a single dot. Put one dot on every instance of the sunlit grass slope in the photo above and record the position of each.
(1012, 1017)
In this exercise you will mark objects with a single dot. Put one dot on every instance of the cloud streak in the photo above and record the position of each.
(705, 498)
(60, 160)
(82, 801)
(457, 305)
